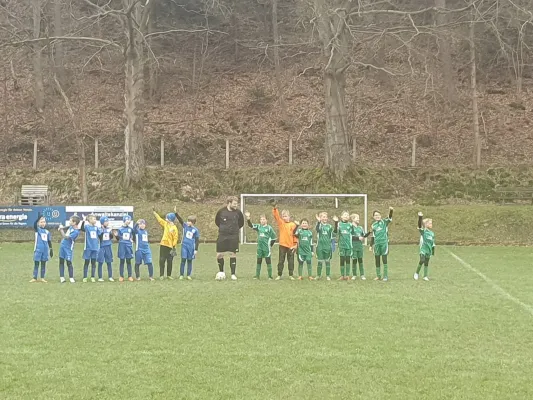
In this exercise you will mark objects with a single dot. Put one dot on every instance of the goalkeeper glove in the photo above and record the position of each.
(173, 253)
(51, 253)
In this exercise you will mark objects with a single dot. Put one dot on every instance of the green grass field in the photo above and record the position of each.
(458, 336)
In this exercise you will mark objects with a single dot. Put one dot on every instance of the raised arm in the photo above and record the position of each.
(36, 223)
(180, 220)
(277, 217)
(420, 218)
(161, 221)
(390, 212)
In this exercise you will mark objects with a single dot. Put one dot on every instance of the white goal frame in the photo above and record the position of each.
(313, 195)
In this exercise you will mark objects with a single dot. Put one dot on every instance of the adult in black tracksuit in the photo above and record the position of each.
(229, 220)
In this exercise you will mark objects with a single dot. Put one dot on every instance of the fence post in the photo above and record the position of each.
(227, 153)
(96, 156)
(413, 153)
(290, 151)
(35, 153)
(162, 151)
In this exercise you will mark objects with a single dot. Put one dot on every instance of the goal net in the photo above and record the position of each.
(301, 206)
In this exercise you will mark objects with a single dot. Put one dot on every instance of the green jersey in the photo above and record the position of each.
(358, 231)
(305, 242)
(427, 241)
(380, 230)
(265, 233)
(325, 236)
(345, 233)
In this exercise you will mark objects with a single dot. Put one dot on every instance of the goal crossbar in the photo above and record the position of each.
(300, 195)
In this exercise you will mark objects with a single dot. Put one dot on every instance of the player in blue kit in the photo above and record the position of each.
(42, 249)
(92, 244)
(189, 244)
(143, 253)
(124, 236)
(69, 234)
(106, 252)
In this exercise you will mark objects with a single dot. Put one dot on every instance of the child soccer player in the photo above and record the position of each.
(92, 245)
(357, 244)
(427, 244)
(287, 241)
(105, 254)
(167, 250)
(124, 236)
(379, 243)
(305, 248)
(67, 247)
(324, 249)
(42, 249)
(143, 253)
(345, 231)
(189, 244)
(266, 237)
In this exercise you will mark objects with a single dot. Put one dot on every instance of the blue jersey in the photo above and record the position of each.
(92, 237)
(191, 235)
(42, 237)
(125, 235)
(141, 240)
(70, 237)
(106, 237)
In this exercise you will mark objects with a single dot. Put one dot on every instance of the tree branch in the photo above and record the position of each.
(54, 38)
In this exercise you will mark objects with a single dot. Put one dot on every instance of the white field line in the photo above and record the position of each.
(494, 285)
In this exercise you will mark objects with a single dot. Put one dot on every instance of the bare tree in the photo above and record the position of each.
(275, 32)
(38, 85)
(59, 61)
(445, 53)
(473, 87)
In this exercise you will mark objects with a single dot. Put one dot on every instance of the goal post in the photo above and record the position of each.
(330, 202)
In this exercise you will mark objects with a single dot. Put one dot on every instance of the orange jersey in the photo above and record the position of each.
(286, 231)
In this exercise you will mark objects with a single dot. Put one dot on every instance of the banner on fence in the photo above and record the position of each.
(25, 216)
(114, 213)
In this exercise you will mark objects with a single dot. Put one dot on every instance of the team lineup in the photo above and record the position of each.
(296, 240)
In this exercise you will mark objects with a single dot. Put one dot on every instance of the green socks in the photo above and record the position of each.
(418, 268)
(385, 271)
(309, 269)
(269, 269)
(378, 272)
(426, 268)
(300, 269)
(343, 270)
(319, 269)
(361, 269)
(258, 270)
(328, 268)
(348, 269)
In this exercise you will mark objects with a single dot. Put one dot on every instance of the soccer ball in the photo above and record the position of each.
(220, 276)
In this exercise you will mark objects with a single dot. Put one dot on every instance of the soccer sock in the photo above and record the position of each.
(93, 267)
(268, 261)
(426, 269)
(137, 271)
(258, 267)
(347, 263)
(128, 264)
(100, 270)
(319, 269)
(361, 267)
(182, 267)
(354, 266)
(385, 270)
(43, 269)
(233, 265)
(300, 268)
(109, 270)
(86, 268)
(35, 269)
(378, 267)
(189, 267)
(419, 268)
(70, 269)
(61, 268)
(151, 270)
(309, 268)
(343, 269)
(121, 268)
(328, 268)
(169, 266)
(220, 262)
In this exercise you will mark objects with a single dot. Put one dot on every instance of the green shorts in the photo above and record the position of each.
(345, 252)
(381, 249)
(357, 252)
(305, 258)
(324, 255)
(263, 253)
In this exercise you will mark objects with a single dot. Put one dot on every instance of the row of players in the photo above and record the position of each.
(98, 247)
(297, 237)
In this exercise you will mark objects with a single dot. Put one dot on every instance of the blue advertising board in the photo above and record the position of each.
(114, 213)
(25, 216)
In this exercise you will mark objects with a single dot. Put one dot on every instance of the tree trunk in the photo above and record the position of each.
(445, 54)
(133, 96)
(152, 65)
(59, 62)
(473, 87)
(38, 85)
(335, 39)
(277, 68)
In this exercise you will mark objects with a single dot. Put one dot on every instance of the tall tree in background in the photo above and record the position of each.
(38, 86)
(277, 67)
(59, 58)
(445, 53)
(473, 87)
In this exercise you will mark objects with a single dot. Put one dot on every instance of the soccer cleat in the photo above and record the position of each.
(317, 278)
(33, 280)
(62, 280)
(328, 278)
(377, 278)
(44, 280)
(130, 279)
(101, 280)
(182, 277)
(270, 278)
(85, 280)
(121, 279)
(151, 279)
(300, 278)
(355, 277)
(189, 278)
(415, 276)
(292, 278)
(363, 278)
(385, 279)
(170, 278)
(111, 280)
(278, 278)
(233, 277)
(256, 278)
(341, 278)
(311, 278)
(426, 278)
(138, 279)
(93, 280)
(72, 280)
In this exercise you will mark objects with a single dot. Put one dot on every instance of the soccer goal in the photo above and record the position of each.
(301, 206)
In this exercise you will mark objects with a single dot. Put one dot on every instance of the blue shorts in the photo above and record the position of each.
(143, 257)
(65, 253)
(125, 251)
(187, 252)
(40, 255)
(105, 254)
(90, 254)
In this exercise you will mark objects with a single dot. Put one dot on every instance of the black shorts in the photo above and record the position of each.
(228, 245)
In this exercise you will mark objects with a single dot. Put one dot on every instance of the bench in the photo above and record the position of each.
(512, 194)
(34, 195)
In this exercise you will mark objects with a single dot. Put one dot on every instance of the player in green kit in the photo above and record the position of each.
(344, 230)
(379, 243)
(427, 245)
(305, 248)
(265, 240)
(324, 251)
(357, 244)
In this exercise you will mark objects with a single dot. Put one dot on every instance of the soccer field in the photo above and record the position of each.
(466, 334)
